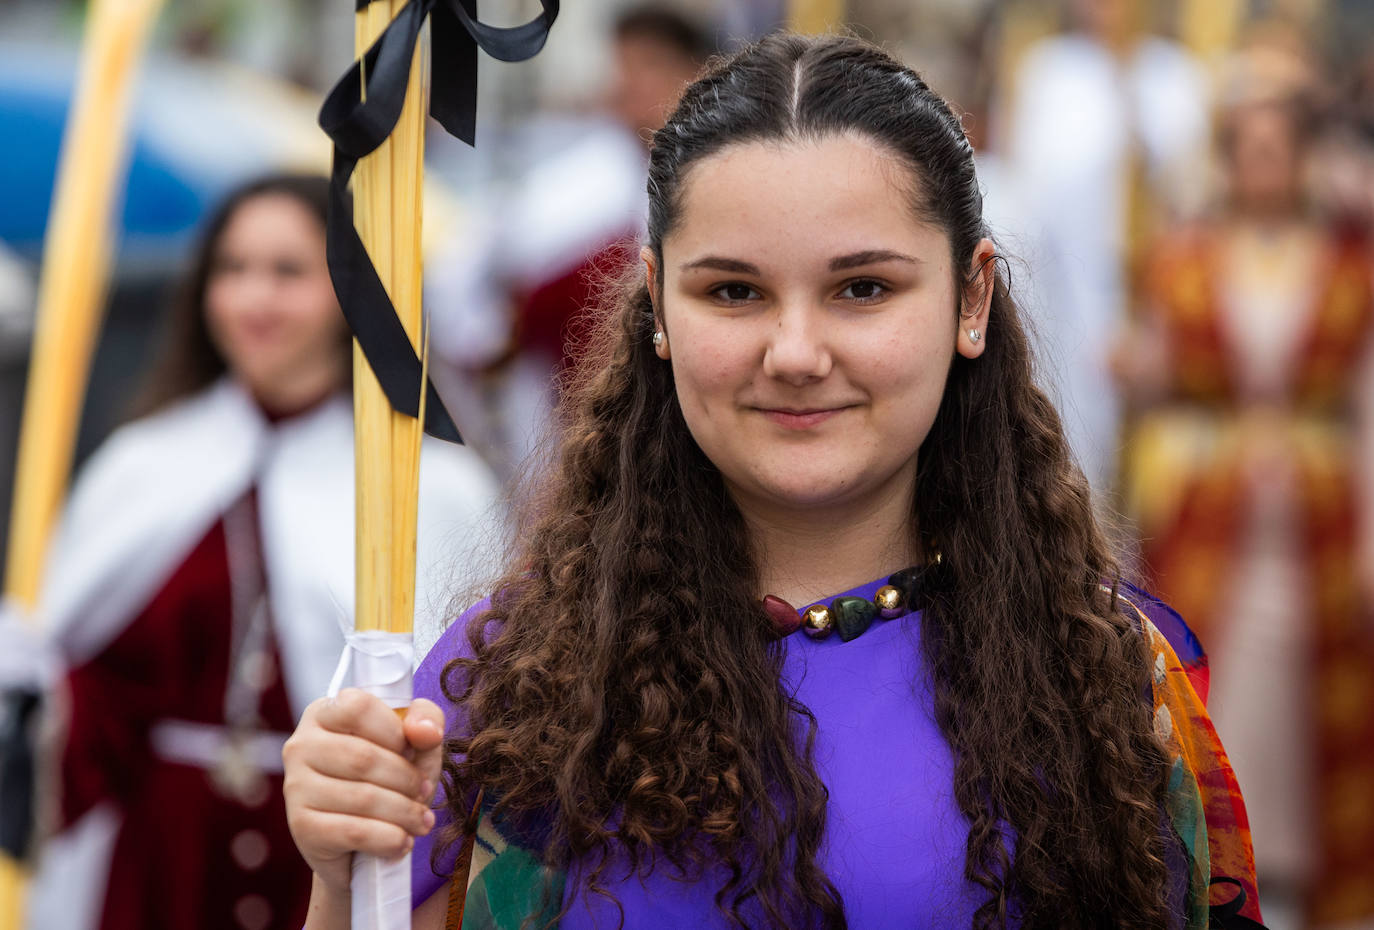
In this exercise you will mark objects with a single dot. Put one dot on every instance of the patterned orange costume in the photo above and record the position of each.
(1186, 484)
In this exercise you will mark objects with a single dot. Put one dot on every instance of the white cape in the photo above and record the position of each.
(153, 490)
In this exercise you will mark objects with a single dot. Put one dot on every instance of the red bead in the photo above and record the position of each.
(782, 615)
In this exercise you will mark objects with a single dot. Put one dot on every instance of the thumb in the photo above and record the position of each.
(424, 730)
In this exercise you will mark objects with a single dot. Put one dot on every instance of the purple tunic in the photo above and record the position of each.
(895, 839)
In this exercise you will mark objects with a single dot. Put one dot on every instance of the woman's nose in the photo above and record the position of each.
(254, 290)
(797, 351)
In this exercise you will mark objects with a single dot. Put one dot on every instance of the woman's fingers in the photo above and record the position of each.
(351, 785)
(354, 759)
(368, 801)
(357, 713)
(424, 730)
(424, 724)
(337, 835)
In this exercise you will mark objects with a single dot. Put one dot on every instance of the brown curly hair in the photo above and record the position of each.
(624, 687)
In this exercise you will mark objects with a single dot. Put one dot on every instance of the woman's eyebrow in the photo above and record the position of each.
(870, 257)
(718, 263)
(840, 263)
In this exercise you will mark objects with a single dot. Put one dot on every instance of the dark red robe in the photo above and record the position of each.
(187, 855)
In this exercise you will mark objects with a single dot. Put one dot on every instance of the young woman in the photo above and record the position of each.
(816, 392)
(196, 591)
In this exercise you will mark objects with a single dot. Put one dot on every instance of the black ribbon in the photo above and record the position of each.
(358, 127)
(1228, 916)
(18, 762)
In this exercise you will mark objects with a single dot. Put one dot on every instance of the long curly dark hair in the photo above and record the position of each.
(624, 687)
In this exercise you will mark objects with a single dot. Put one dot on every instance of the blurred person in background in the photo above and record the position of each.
(657, 51)
(511, 297)
(200, 583)
(1103, 120)
(1249, 472)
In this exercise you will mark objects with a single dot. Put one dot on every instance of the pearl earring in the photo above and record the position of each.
(974, 335)
(658, 339)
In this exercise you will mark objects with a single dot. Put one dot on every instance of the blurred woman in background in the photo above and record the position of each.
(1248, 470)
(201, 576)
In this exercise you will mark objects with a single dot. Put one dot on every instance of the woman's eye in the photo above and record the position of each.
(863, 291)
(226, 267)
(289, 270)
(735, 292)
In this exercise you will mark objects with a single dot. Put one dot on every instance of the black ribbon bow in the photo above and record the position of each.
(1228, 916)
(358, 127)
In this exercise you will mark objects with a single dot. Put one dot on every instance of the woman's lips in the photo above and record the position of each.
(801, 418)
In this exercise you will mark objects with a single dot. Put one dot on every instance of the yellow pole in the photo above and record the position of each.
(814, 17)
(387, 190)
(72, 287)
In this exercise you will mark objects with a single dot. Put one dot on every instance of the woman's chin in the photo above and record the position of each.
(790, 493)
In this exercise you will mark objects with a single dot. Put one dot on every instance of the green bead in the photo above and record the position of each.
(909, 581)
(852, 615)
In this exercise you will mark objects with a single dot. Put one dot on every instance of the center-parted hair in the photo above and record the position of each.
(625, 687)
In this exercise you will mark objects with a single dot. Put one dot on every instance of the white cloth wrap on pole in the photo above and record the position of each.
(381, 664)
(28, 660)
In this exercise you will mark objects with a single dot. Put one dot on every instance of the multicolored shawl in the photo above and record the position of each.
(499, 881)
(1204, 804)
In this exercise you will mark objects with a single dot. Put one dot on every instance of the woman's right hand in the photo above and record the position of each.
(360, 778)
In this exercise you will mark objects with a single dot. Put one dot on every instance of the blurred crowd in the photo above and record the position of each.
(1184, 195)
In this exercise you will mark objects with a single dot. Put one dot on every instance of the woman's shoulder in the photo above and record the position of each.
(1147, 607)
(453, 643)
(1156, 620)
(136, 508)
(135, 448)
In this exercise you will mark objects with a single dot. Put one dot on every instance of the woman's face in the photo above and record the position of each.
(270, 306)
(810, 320)
(1265, 158)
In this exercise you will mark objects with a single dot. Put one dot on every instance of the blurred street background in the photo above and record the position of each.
(1183, 191)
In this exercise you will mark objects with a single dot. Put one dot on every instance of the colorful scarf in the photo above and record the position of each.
(1204, 804)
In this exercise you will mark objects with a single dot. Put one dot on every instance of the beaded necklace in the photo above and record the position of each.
(847, 615)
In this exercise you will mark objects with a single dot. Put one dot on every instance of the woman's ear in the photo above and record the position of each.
(646, 255)
(976, 300)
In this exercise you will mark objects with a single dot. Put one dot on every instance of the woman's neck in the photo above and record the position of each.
(1273, 215)
(283, 398)
(811, 552)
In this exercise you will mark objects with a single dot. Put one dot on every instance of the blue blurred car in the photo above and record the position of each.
(196, 129)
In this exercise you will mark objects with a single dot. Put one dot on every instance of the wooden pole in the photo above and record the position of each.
(72, 289)
(74, 278)
(387, 191)
(814, 17)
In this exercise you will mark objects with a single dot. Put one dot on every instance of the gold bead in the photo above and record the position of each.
(818, 621)
(888, 600)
